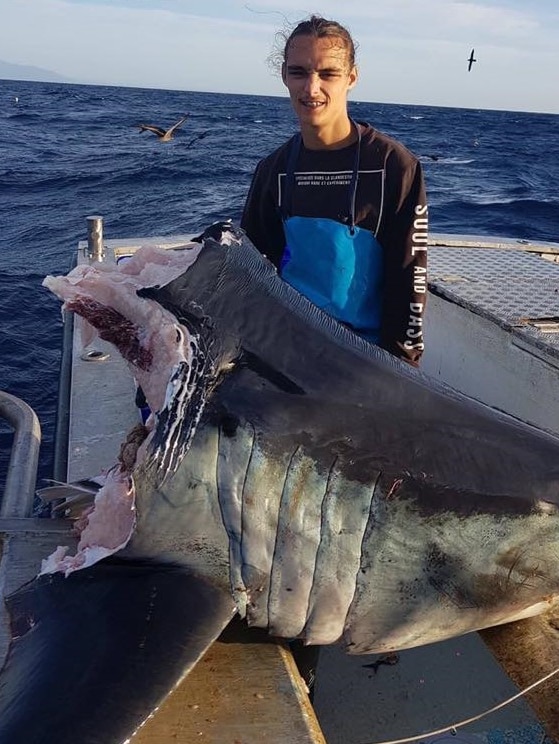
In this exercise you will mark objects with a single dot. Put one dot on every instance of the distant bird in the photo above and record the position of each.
(164, 134)
(197, 137)
(471, 60)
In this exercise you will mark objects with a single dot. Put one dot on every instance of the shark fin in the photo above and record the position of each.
(131, 630)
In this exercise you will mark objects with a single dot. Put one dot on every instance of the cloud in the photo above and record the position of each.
(408, 52)
(137, 46)
(442, 19)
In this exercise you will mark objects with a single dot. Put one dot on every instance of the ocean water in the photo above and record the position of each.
(69, 151)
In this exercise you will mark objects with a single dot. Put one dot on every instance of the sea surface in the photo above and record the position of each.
(69, 151)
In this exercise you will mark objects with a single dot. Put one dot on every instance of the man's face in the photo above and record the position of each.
(318, 75)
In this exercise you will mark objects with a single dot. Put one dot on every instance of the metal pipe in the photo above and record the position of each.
(95, 246)
(19, 490)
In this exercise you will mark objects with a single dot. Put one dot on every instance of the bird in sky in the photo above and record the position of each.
(164, 134)
(471, 60)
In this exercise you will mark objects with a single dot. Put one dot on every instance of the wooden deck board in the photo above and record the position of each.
(527, 651)
(245, 690)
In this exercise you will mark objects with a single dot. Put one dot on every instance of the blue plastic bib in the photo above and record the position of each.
(336, 265)
(337, 268)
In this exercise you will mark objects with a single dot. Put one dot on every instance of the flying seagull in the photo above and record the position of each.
(164, 134)
(471, 60)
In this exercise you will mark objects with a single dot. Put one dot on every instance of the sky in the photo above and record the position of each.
(408, 51)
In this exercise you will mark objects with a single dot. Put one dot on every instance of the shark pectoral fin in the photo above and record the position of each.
(94, 654)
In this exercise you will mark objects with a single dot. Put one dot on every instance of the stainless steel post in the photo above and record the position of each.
(95, 238)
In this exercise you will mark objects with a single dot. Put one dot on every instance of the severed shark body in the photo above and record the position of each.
(290, 472)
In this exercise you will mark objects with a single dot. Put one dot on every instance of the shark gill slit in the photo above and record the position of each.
(288, 599)
(323, 521)
(232, 466)
(369, 527)
(261, 510)
(338, 556)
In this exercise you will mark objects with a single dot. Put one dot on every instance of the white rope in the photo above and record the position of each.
(457, 725)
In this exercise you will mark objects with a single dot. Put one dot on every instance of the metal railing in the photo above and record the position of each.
(19, 490)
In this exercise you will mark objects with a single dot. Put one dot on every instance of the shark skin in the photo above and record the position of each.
(445, 510)
(94, 654)
(293, 473)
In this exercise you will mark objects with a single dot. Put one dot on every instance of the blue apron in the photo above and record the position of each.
(338, 267)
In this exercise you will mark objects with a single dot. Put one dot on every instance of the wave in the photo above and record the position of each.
(22, 116)
(526, 219)
(441, 160)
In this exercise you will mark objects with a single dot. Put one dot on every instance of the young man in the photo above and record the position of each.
(340, 208)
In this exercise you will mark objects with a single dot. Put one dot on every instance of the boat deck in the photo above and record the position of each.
(492, 324)
(512, 287)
